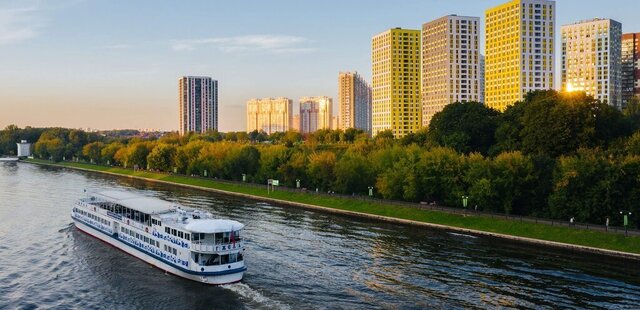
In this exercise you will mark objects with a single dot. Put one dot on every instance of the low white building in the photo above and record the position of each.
(24, 148)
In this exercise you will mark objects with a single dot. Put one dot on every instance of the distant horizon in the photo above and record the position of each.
(70, 67)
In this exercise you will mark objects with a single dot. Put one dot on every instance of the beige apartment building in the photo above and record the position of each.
(354, 100)
(450, 63)
(269, 114)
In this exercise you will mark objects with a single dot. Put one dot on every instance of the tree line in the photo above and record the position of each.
(553, 155)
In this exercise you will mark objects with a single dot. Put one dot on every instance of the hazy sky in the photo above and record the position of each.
(115, 64)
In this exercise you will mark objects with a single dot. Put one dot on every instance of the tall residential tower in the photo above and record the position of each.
(630, 67)
(315, 113)
(269, 114)
(519, 50)
(354, 99)
(591, 53)
(198, 104)
(396, 82)
(450, 63)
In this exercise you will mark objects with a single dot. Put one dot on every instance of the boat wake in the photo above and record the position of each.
(67, 228)
(255, 296)
(463, 235)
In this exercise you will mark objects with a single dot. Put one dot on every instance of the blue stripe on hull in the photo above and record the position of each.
(115, 236)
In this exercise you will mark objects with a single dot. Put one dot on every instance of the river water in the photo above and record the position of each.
(297, 259)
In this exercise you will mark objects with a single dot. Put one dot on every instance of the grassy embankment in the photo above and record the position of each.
(596, 239)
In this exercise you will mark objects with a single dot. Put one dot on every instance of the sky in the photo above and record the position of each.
(104, 64)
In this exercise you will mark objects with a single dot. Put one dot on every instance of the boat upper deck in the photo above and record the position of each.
(151, 210)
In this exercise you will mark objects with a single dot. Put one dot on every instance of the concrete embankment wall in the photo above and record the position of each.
(566, 246)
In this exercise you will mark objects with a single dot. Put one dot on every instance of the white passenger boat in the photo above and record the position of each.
(185, 242)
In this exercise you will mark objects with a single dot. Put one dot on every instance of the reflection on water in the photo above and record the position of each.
(296, 258)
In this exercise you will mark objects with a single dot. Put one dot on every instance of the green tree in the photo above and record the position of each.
(321, 169)
(162, 157)
(93, 151)
(465, 127)
(354, 174)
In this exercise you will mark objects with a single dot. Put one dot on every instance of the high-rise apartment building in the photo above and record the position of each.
(396, 102)
(630, 67)
(198, 104)
(481, 77)
(295, 125)
(591, 53)
(269, 114)
(450, 63)
(519, 50)
(315, 113)
(354, 100)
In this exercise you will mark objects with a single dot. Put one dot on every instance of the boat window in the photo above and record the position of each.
(137, 236)
(210, 260)
(153, 221)
(219, 237)
(173, 232)
(175, 252)
(180, 234)
(186, 236)
(240, 257)
(159, 223)
(196, 237)
(146, 239)
(136, 216)
(232, 257)
(226, 238)
(166, 229)
(224, 259)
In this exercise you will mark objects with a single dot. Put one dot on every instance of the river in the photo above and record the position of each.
(296, 259)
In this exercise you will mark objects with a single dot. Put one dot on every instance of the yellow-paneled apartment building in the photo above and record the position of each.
(396, 81)
(519, 50)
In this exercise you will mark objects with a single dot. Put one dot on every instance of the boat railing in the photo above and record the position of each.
(199, 246)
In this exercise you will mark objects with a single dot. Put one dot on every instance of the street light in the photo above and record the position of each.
(626, 221)
(370, 191)
(465, 200)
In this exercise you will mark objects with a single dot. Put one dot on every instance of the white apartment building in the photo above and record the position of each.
(591, 59)
(450, 63)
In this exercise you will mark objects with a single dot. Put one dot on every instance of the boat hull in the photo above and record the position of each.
(114, 241)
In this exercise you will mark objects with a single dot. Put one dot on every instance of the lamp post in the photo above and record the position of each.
(297, 183)
(625, 219)
(370, 191)
(465, 200)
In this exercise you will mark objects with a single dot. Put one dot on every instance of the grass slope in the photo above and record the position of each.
(596, 239)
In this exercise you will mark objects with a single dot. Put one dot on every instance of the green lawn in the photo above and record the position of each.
(569, 235)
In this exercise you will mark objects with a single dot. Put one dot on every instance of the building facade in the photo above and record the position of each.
(354, 100)
(481, 77)
(315, 113)
(630, 76)
(396, 102)
(450, 63)
(591, 59)
(269, 114)
(198, 104)
(519, 50)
